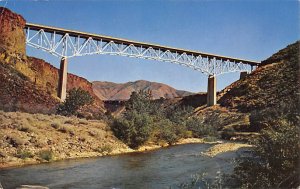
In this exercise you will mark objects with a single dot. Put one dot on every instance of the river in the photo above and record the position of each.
(163, 168)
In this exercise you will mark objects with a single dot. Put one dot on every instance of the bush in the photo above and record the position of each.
(64, 129)
(55, 125)
(23, 154)
(70, 121)
(199, 128)
(145, 118)
(178, 114)
(276, 157)
(167, 131)
(76, 99)
(106, 149)
(46, 155)
(135, 130)
(16, 140)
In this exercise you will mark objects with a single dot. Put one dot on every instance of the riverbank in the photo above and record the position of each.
(36, 138)
(18, 162)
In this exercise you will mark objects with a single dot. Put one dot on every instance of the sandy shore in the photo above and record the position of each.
(224, 147)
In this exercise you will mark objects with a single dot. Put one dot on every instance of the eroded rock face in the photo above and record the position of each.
(12, 37)
(46, 75)
(29, 84)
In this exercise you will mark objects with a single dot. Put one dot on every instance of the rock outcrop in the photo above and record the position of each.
(12, 38)
(33, 80)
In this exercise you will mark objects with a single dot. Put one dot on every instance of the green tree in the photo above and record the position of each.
(178, 114)
(167, 131)
(141, 102)
(134, 130)
(145, 118)
(76, 99)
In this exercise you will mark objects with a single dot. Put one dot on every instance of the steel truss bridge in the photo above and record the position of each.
(65, 44)
(69, 43)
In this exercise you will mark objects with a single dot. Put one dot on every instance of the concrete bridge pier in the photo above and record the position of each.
(62, 80)
(211, 90)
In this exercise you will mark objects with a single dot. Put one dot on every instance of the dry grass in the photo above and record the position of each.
(23, 135)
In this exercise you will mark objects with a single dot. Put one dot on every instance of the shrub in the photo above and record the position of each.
(93, 133)
(276, 157)
(105, 149)
(199, 128)
(145, 118)
(76, 99)
(47, 155)
(70, 121)
(16, 140)
(25, 129)
(55, 125)
(23, 154)
(63, 129)
(178, 114)
(167, 131)
(135, 130)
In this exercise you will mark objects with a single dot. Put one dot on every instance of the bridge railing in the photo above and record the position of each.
(68, 43)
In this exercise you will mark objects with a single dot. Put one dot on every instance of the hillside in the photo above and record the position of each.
(33, 138)
(30, 84)
(271, 85)
(275, 81)
(122, 91)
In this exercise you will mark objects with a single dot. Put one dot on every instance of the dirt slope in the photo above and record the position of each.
(32, 138)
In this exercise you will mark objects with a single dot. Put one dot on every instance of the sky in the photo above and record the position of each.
(251, 30)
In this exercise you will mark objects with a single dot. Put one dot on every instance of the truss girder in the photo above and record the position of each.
(66, 45)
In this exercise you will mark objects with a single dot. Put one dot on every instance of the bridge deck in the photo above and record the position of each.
(136, 43)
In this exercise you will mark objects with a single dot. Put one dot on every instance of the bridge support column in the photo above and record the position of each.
(62, 80)
(243, 74)
(211, 91)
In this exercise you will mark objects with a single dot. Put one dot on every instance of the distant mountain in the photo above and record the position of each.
(122, 91)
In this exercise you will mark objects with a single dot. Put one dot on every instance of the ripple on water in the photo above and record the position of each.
(154, 169)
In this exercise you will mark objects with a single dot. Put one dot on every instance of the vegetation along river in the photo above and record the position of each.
(163, 168)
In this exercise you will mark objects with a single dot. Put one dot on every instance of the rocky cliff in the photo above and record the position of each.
(34, 75)
(122, 91)
(12, 38)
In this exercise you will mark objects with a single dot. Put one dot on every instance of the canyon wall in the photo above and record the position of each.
(40, 75)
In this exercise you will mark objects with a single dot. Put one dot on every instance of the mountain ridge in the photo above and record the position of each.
(106, 90)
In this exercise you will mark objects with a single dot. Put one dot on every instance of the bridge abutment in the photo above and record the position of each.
(211, 91)
(62, 80)
(243, 74)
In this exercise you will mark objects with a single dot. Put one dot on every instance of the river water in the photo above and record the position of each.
(163, 168)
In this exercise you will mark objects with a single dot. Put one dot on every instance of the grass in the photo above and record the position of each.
(37, 132)
(71, 122)
(47, 155)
